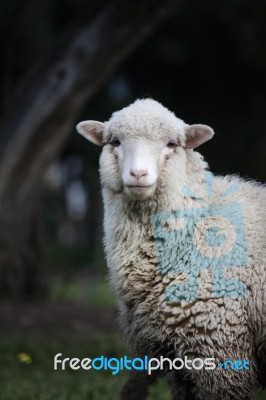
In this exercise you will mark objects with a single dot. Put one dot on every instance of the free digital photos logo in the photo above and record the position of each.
(208, 237)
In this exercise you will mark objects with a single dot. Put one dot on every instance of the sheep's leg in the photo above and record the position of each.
(138, 384)
(181, 390)
(262, 373)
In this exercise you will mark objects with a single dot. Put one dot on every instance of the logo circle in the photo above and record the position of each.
(215, 236)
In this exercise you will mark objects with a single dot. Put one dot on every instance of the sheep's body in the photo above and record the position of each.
(223, 328)
(210, 326)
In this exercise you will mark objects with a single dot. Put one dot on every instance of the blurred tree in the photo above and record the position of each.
(37, 121)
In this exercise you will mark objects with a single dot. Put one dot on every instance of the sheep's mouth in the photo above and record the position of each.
(139, 186)
(139, 192)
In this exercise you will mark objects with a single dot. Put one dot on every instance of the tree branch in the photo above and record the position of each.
(36, 127)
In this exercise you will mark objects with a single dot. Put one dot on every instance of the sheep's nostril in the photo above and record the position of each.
(138, 173)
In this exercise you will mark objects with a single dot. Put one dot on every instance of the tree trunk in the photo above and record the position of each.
(37, 124)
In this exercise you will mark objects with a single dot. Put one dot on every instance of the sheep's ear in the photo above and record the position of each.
(92, 130)
(197, 134)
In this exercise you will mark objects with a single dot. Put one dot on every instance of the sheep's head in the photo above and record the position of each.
(138, 143)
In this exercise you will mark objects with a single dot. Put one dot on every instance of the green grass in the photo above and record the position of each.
(71, 280)
(261, 395)
(39, 381)
(73, 275)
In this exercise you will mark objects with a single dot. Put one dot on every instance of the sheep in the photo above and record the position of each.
(186, 251)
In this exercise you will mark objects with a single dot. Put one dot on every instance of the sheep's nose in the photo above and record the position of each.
(138, 173)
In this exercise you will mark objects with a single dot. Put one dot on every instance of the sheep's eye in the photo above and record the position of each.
(171, 144)
(115, 142)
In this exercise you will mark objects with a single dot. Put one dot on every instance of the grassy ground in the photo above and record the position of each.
(27, 369)
(34, 334)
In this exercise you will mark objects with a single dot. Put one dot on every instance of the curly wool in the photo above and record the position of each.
(221, 326)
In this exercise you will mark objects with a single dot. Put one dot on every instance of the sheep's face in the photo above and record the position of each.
(139, 142)
(139, 161)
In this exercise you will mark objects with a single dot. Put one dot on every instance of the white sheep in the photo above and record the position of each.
(186, 251)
